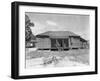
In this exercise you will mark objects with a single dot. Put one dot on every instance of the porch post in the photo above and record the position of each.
(69, 42)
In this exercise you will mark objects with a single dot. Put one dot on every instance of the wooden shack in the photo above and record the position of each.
(59, 40)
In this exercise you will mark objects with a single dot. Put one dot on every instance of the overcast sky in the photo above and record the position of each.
(78, 24)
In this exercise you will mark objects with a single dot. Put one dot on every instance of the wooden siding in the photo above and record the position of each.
(43, 43)
(75, 42)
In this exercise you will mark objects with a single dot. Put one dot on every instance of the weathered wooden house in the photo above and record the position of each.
(59, 40)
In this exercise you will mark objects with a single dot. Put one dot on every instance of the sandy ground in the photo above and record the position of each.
(40, 59)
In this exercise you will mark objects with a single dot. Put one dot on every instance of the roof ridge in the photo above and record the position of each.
(58, 31)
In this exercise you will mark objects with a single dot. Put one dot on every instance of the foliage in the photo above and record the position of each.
(28, 32)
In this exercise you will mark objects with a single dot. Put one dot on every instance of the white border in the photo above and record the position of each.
(23, 71)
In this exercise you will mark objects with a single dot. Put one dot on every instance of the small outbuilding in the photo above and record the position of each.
(59, 40)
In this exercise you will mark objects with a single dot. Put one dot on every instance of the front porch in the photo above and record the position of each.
(59, 44)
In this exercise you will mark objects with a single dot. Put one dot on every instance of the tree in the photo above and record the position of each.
(28, 33)
(28, 23)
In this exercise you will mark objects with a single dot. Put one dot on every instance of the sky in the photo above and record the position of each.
(78, 24)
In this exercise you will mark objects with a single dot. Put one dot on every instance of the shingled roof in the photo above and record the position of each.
(60, 34)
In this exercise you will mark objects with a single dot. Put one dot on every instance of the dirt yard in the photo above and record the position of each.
(75, 57)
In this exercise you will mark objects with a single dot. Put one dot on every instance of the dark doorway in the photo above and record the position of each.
(66, 43)
(53, 44)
